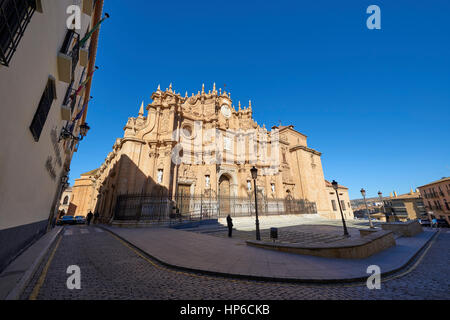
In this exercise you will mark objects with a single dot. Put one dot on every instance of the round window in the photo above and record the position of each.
(186, 131)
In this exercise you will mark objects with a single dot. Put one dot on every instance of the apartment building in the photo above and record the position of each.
(404, 207)
(436, 196)
(46, 71)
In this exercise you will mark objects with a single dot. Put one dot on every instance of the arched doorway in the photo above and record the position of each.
(224, 195)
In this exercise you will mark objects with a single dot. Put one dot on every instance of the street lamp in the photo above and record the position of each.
(380, 195)
(64, 181)
(363, 192)
(66, 132)
(335, 187)
(254, 173)
(84, 128)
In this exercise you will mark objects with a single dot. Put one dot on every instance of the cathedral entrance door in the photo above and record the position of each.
(184, 198)
(224, 195)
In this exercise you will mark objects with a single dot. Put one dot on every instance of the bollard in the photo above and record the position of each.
(274, 234)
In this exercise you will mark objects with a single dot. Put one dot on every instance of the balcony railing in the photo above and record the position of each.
(69, 103)
(68, 56)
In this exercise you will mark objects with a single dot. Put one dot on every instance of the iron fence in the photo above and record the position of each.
(141, 207)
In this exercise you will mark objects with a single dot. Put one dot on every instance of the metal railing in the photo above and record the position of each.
(71, 47)
(141, 207)
(15, 15)
(70, 99)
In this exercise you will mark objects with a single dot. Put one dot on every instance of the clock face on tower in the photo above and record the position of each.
(225, 111)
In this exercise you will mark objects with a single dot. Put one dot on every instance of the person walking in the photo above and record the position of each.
(434, 223)
(89, 218)
(96, 216)
(230, 225)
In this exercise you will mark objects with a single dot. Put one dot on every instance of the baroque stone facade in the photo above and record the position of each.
(202, 145)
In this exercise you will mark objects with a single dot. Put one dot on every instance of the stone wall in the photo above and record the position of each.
(405, 229)
(352, 248)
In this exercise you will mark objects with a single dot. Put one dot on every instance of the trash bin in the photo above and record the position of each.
(274, 233)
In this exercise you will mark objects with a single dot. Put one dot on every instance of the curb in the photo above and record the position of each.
(15, 293)
(273, 279)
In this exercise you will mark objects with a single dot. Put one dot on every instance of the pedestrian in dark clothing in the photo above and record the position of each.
(230, 225)
(96, 215)
(89, 217)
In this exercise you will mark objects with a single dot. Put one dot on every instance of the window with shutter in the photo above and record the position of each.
(43, 109)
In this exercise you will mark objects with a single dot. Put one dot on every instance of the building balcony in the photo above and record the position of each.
(65, 113)
(84, 57)
(64, 67)
(68, 56)
(68, 104)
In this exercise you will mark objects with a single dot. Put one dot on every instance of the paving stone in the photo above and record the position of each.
(110, 270)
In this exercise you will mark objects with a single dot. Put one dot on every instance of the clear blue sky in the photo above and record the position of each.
(374, 102)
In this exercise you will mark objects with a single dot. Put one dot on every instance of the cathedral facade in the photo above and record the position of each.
(202, 146)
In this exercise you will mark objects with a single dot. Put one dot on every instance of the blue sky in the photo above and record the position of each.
(374, 102)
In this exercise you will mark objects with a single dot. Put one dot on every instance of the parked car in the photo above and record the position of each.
(66, 220)
(80, 220)
(442, 223)
(425, 222)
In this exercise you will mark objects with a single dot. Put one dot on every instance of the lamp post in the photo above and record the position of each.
(335, 187)
(66, 133)
(363, 192)
(64, 181)
(380, 195)
(63, 184)
(254, 173)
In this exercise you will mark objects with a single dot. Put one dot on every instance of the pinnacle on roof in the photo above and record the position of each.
(141, 110)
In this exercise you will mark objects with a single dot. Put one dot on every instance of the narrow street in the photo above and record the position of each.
(111, 269)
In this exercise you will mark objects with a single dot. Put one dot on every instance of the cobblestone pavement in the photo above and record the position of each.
(299, 234)
(248, 223)
(112, 270)
(311, 230)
